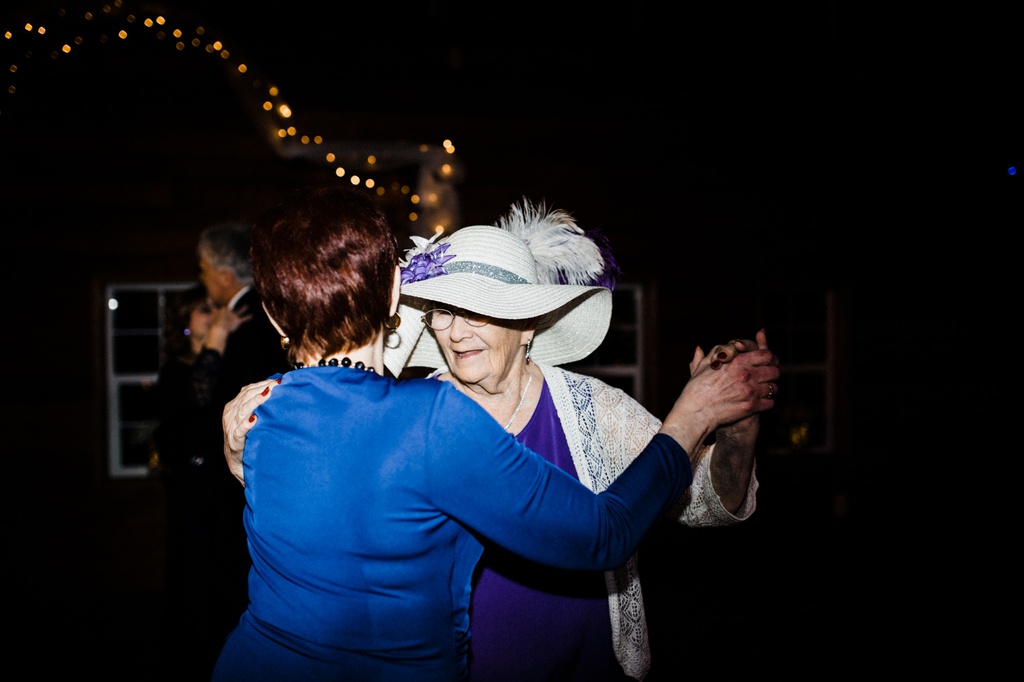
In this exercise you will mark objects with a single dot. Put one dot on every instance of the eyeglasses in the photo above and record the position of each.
(440, 319)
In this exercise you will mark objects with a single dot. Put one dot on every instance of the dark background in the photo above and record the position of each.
(731, 153)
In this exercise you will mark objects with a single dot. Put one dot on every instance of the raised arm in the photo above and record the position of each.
(732, 459)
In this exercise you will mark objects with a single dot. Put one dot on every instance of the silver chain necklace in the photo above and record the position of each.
(522, 399)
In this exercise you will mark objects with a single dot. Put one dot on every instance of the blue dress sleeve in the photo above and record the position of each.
(492, 484)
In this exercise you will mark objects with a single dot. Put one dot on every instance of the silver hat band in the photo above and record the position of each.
(485, 270)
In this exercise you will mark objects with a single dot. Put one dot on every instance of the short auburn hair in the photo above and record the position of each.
(324, 260)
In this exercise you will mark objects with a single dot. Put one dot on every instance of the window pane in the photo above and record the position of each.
(136, 444)
(618, 348)
(803, 312)
(138, 402)
(798, 421)
(624, 305)
(136, 310)
(137, 354)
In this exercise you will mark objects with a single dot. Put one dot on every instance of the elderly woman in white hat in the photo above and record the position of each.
(494, 311)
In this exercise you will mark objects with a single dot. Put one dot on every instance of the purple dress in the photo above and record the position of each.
(533, 622)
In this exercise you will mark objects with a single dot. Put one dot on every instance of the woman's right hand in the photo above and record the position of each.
(238, 417)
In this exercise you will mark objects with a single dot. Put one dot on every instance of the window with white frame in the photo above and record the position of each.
(135, 315)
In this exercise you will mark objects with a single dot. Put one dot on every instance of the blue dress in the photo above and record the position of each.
(366, 498)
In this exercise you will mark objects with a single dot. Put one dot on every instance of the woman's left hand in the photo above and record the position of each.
(238, 417)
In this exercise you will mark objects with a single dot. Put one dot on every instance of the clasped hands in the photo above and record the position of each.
(731, 385)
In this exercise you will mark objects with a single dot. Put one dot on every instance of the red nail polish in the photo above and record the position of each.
(252, 418)
(278, 381)
(266, 391)
(715, 364)
(722, 355)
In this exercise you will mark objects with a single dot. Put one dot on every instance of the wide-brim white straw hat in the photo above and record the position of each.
(493, 272)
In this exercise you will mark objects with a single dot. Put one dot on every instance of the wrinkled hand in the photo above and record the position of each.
(238, 417)
(724, 354)
(734, 383)
(738, 388)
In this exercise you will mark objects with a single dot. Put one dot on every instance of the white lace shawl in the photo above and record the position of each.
(606, 429)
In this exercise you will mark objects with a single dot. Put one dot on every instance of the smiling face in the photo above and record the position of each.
(484, 355)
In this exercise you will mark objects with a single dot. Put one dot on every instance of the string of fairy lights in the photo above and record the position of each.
(62, 34)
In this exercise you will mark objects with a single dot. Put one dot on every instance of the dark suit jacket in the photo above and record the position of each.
(253, 352)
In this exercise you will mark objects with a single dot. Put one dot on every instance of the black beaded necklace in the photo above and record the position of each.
(334, 362)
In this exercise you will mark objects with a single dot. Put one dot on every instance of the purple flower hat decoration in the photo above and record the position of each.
(425, 260)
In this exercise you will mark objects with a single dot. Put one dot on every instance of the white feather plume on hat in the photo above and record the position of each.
(564, 254)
